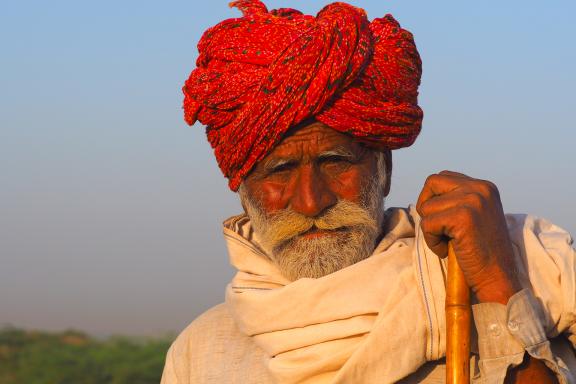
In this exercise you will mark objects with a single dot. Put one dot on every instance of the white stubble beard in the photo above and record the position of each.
(358, 226)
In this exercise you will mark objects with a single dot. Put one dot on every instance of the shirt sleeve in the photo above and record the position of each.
(169, 374)
(507, 332)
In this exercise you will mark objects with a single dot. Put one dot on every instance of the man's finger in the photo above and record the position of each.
(438, 229)
(445, 202)
(439, 184)
(453, 173)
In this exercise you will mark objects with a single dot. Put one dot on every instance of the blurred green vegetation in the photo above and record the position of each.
(72, 357)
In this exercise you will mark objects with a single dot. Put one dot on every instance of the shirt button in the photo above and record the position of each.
(513, 325)
(494, 329)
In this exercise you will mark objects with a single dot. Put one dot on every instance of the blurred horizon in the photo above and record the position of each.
(111, 207)
(75, 357)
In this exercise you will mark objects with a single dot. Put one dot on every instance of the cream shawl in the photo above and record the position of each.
(336, 329)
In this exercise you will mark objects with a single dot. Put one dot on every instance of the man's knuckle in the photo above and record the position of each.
(466, 214)
(431, 179)
(424, 209)
(487, 188)
(476, 200)
(494, 189)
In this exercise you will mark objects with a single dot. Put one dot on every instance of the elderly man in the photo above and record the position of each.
(302, 113)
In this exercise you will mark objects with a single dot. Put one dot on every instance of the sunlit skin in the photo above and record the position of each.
(469, 212)
(309, 171)
(315, 166)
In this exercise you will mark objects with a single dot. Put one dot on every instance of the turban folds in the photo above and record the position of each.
(260, 74)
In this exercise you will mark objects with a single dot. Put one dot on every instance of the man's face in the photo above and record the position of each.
(316, 201)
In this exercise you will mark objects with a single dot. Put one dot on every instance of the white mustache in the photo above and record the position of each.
(285, 225)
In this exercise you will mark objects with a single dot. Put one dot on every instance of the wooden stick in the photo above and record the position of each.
(458, 318)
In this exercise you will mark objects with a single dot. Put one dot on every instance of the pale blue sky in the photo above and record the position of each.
(110, 206)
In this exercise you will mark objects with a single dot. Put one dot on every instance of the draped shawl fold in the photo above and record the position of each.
(379, 320)
(347, 327)
(261, 74)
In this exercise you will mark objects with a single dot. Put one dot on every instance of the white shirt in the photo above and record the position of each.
(213, 349)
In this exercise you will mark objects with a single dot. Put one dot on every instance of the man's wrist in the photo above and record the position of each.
(498, 287)
(507, 332)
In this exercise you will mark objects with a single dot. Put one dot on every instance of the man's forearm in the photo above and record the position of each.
(531, 371)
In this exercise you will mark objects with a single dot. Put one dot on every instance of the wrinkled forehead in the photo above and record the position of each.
(312, 140)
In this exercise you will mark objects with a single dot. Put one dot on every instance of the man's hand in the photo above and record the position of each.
(468, 212)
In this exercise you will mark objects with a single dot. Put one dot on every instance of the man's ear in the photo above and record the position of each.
(241, 196)
(388, 162)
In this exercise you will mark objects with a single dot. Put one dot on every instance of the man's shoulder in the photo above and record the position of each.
(212, 349)
(218, 316)
(525, 227)
(211, 327)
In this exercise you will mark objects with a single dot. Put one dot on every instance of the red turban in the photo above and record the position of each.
(260, 74)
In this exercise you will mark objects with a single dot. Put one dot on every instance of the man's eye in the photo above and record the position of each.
(281, 168)
(335, 160)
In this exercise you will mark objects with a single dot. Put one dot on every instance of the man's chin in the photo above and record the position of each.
(313, 238)
(316, 233)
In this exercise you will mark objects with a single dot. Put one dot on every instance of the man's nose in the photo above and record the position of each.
(311, 194)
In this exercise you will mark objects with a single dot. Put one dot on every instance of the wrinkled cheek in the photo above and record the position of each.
(348, 185)
(271, 196)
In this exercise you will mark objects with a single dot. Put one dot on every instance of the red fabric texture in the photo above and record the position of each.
(260, 74)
